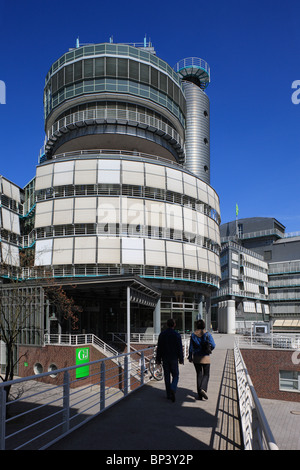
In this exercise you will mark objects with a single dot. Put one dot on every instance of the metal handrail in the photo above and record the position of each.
(46, 412)
(78, 340)
(121, 114)
(256, 431)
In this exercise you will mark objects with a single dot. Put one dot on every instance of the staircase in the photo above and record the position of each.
(83, 339)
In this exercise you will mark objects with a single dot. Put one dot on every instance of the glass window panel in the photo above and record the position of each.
(69, 73)
(99, 67)
(78, 70)
(133, 70)
(122, 49)
(163, 82)
(88, 68)
(89, 50)
(111, 66)
(176, 93)
(170, 88)
(123, 68)
(60, 78)
(144, 73)
(154, 77)
(54, 83)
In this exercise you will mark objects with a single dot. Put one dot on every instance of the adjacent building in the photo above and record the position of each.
(260, 266)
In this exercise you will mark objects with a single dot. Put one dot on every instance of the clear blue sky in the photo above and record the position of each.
(252, 47)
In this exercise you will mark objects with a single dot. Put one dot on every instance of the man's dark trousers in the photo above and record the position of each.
(171, 369)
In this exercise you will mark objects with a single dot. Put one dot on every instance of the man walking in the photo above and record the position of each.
(169, 352)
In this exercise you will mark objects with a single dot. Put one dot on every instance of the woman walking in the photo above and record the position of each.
(201, 346)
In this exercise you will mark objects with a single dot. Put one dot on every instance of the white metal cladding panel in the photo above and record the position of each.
(235, 287)
(63, 250)
(202, 191)
(133, 173)
(85, 210)
(63, 173)
(44, 177)
(190, 256)
(202, 224)
(10, 254)
(155, 252)
(43, 252)
(190, 220)
(213, 230)
(85, 250)
(190, 185)
(63, 211)
(202, 259)
(85, 172)
(108, 250)
(213, 263)
(213, 199)
(132, 251)
(174, 180)
(10, 221)
(109, 171)
(108, 210)
(174, 254)
(155, 176)
(132, 211)
(155, 213)
(255, 261)
(258, 308)
(174, 216)
(11, 190)
(249, 307)
(43, 214)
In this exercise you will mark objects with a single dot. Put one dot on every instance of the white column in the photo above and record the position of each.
(157, 319)
(230, 317)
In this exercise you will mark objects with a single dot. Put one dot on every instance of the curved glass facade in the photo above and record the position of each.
(141, 74)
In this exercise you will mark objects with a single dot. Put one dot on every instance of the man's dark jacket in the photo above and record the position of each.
(169, 346)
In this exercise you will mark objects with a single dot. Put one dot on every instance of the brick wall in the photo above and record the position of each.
(65, 356)
(264, 366)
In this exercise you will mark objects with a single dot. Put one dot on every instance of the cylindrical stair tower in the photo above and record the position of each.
(195, 75)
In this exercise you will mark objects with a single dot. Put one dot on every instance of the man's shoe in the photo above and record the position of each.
(172, 396)
(204, 394)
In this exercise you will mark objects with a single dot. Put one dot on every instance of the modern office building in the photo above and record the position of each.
(260, 267)
(122, 197)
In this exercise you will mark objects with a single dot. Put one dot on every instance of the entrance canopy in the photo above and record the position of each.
(141, 291)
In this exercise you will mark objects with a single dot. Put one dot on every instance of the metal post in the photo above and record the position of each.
(128, 319)
(2, 417)
(102, 386)
(126, 375)
(66, 402)
(142, 368)
(128, 339)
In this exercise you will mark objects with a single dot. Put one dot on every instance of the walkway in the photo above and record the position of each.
(146, 420)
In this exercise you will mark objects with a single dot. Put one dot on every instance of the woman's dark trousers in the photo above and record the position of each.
(202, 371)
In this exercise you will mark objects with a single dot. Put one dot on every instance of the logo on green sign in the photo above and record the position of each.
(82, 356)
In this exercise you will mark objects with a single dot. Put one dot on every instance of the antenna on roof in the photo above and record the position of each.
(77, 42)
(145, 40)
(111, 39)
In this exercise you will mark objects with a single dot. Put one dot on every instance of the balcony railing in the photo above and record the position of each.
(256, 431)
(106, 114)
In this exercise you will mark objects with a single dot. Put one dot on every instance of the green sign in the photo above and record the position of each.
(82, 356)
